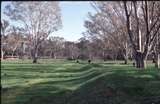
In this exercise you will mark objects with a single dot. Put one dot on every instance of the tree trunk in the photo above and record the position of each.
(12, 53)
(55, 57)
(154, 58)
(72, 57)
(157, 64)
(126, 54)
(2, 55)
(34, 60)
(104, 56)
(140, 61)
(51, 56)
(126, 61)
(126, 58)
(35, 56)
(90, 56)
(21, 55)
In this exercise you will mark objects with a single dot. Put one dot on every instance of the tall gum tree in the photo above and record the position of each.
(147, 20)
(5, 27)
(108, 25)
(39, 19)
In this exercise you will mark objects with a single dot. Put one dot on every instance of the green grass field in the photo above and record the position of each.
(68, 82)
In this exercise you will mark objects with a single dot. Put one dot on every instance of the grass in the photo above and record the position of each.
(68, 82)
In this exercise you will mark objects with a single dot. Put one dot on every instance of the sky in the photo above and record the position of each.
(73, 16)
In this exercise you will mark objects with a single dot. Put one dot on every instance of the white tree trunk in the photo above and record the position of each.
(2, 55)
(158, 61)
(55, 57)
(157, 64)
(12, 53)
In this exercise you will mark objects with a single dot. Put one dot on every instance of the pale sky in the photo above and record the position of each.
(73, 15)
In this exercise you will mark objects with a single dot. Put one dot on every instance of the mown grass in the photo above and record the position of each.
(68, 82)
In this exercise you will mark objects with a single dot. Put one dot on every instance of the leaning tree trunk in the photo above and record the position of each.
(140, 60)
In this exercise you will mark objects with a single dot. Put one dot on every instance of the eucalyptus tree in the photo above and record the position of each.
(71, 50)
(108, 25)
(14, 40)
(40, 19)
(55, 46)
(156, 51)
(143, 25)
(5, 26)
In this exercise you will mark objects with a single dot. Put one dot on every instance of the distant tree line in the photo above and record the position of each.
(16, 43)
(124, 30)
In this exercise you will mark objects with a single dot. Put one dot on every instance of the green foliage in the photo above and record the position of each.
(68, 82)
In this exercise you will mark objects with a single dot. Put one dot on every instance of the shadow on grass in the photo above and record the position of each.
(122, 86)
(118, 88)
